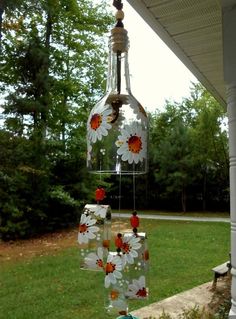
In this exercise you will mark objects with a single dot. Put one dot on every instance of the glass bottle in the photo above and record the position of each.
(117, 125)
(130, 282)
(94, 236)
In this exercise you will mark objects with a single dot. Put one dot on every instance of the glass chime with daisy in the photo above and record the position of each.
(117, 125)
(126, 272)
(94, 235)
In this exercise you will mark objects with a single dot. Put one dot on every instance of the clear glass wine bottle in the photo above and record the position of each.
(117, 125)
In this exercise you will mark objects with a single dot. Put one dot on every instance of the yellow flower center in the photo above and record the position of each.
(114, 294)
(135, 144)
(95, 121)
(106, 243)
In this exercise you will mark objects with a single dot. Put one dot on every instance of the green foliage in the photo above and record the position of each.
(189, 153)
(196, 313)
(163, 316)
(193, 313)
(52, 70)
(223, 311)
(14, 225)
(23, 188)
(58, 193)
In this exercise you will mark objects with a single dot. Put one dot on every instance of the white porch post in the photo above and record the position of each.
(229, 49)
(231, 100)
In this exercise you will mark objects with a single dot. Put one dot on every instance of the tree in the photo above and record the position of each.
(188, 153)
(7, 5)
(53, 68)
(210, 142)
(173, 153)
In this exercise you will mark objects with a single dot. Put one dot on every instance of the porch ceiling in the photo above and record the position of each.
(193, 31)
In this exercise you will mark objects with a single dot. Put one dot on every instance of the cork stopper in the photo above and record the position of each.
(119, 40)
(119, 36)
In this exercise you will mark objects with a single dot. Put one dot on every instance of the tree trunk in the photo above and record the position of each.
(1, 14)
(44, 113)
(63, 122)
(183, 199)
(204, 191)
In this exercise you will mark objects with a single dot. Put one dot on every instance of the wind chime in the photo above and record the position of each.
(116, 144)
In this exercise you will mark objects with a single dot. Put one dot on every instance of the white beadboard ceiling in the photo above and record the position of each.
(193, 31)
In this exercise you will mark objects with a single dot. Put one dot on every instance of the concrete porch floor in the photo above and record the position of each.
(198, 296)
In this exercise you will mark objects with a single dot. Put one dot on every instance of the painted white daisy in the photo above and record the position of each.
(100, 211)
(113, 269)
(137, 289)
(130, 247)
(142, 115)
(86, 229)
(138, 109)
(95, 260)
(118, 300)
(132, 143)
(98, 123)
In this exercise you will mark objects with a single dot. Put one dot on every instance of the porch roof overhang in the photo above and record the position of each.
(193, 31)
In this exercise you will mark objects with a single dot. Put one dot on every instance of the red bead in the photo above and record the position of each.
(100, 194)
(134, 221)
(119, 241)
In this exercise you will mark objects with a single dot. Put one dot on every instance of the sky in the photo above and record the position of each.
(156, 73)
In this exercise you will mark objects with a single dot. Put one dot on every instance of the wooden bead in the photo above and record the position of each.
(119, 15)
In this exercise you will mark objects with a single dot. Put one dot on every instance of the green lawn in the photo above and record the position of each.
(53, 287)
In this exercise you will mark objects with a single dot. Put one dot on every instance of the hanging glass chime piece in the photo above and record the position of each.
(94, 236)
(137, 264)
(126, 270)
(117, 125)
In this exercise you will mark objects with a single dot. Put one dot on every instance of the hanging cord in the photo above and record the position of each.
(118, 4)
(118, 63)
(118, 238)
(120, 15)
(134, 192)
(119, 206)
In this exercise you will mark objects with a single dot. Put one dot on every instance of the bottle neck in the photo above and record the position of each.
(118, 79)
